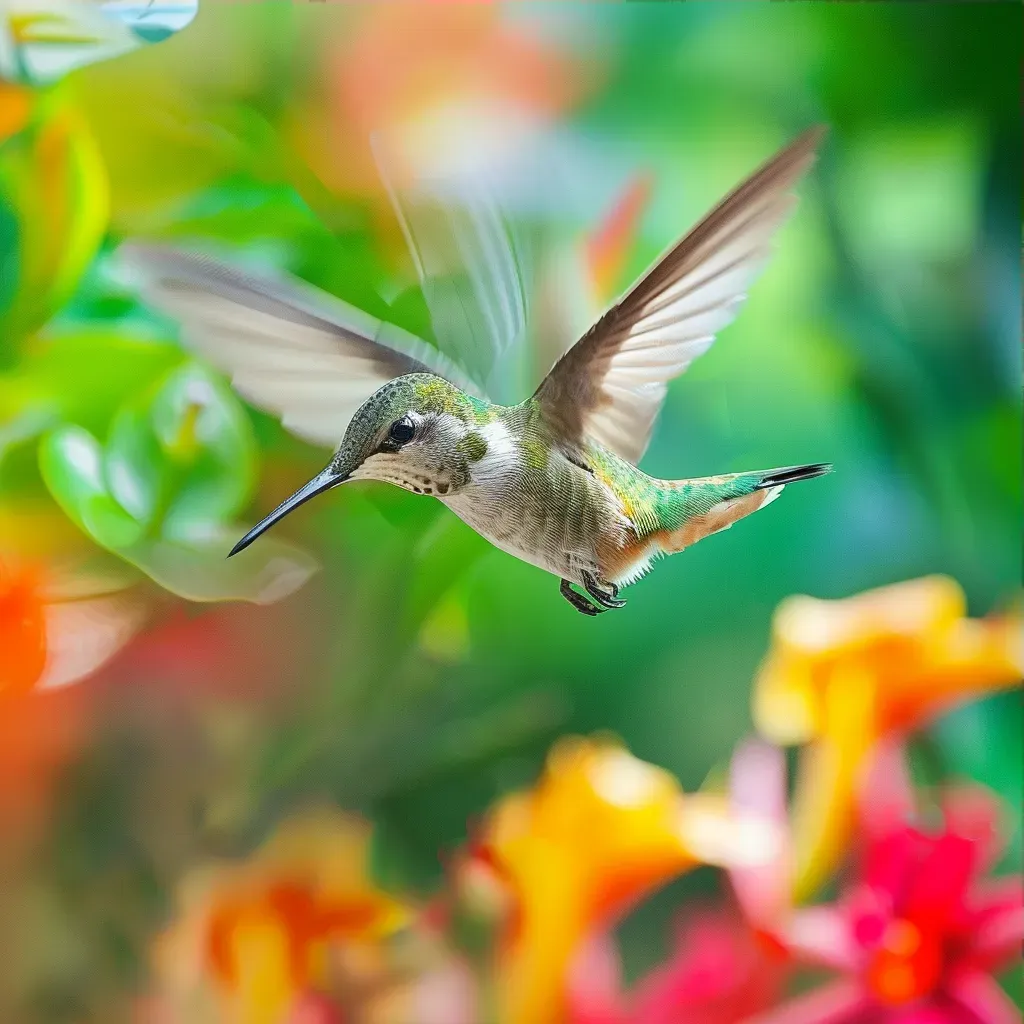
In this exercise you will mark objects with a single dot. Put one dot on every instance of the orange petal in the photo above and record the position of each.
(973, 658)
(22, 630)
(259, 931)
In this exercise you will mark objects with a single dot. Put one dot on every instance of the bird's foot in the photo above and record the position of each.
(578, 601)
(604, 594)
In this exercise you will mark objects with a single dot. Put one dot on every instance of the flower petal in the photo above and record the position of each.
(595, 982)
(997, 932)
(841, 1002)
(600, 830)
(886, 797)
(787, 705)
(828, 778)
(757, 788)
(821, 935)
(980, 995)
(720, 973)
(976, 813)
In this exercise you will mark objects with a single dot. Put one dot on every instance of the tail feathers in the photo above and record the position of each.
(793, 474)
(698, 508)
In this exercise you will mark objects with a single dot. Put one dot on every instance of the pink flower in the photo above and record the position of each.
(919, 933)
(314, 1008)
(721, 972)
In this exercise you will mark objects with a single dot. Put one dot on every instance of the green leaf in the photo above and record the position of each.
(199, 570)
(133, 465)
(83, 376)
(26, 426)
(206, 438)
(71, 463)
(241, 210)
(177, 463)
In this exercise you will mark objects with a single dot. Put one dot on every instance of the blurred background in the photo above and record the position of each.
(158, 709)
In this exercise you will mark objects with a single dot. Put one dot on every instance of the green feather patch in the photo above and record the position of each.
(473, 447)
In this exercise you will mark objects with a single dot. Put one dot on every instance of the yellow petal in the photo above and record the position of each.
(264, 987)
(913, 608)
(600, 830)
(552, 917)
(786, 700)
(827, 780)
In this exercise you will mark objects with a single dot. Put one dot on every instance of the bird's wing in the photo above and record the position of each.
(287, 347)
(610, 385)
(472, 260)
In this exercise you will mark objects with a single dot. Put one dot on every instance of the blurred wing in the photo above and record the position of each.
(471, 263)
(610, 385)
(288, 348)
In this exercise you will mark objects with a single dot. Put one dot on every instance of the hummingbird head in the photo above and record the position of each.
(411, 432)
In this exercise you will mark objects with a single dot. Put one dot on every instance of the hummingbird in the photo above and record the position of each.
(552, 480)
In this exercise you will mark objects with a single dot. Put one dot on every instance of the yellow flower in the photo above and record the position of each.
(842, 675)
(600, 830)
(256, 936)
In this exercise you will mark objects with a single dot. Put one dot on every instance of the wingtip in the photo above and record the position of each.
(806, 145)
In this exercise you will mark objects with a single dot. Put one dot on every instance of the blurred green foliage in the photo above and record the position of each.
(434, 670)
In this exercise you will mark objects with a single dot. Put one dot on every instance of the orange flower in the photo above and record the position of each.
(255, 938)
(842, 675)
(59, 627)
(443, 84)
(599, 831)
(45, 643)
(22, 630)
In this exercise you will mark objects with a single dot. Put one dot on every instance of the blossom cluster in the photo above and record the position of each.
(915, 930)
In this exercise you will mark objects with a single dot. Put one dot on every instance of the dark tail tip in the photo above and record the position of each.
(791, 474)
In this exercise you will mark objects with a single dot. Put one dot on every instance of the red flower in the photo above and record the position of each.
(721, 972)
(920, 932)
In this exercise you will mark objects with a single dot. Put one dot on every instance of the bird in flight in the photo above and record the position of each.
(552, 480)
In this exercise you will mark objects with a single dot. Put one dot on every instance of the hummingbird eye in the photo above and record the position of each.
(402, 431)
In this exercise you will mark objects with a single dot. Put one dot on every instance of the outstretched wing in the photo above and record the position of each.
(472, 262)
(610, 385)
(287, 347)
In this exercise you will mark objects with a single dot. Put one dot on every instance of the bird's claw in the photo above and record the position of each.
(604, 597)
(578, 601)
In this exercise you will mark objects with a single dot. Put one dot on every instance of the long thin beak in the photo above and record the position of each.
(321, 482)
